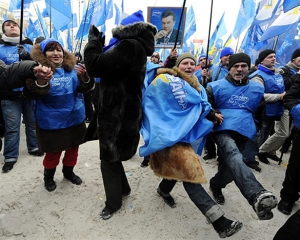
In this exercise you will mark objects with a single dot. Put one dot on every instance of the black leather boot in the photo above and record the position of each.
(50, 184)
(70, 175)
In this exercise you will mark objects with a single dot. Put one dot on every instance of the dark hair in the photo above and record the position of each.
(53, 46)
(168, 13)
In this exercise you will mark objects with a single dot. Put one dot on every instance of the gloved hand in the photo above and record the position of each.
(22, 52)
(94, 34)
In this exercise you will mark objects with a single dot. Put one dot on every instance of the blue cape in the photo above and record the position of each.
(173, 111)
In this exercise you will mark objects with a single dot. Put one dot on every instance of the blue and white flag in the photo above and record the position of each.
(266, 10)
(219, 32)
(282, 24)
(290, 4)
(69, 41)
(173, 111)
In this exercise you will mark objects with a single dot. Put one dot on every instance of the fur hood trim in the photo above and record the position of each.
(175, 71)
(68, 63)
(133, 30)
(142, 32)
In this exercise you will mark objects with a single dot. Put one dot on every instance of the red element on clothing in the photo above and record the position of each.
(51, 160)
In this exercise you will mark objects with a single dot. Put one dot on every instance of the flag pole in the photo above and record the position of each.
(21, 20)
(181, 14)
(207, 48)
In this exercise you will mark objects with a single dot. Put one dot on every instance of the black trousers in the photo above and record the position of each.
(210, 145)
(167, 185)
(291, 229)
(291, 183)
(115, 184)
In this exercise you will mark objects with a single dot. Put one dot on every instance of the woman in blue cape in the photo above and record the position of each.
(175, 107)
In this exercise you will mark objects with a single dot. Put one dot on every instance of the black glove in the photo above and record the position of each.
(94, 34)
(22, 52)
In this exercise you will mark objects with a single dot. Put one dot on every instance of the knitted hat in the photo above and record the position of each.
(263, 54)
(6, 22)
(204, 56)
(133, 18)
(295, 54)
(45, 42)
(184, 56)
(226, 51)
(239, 57)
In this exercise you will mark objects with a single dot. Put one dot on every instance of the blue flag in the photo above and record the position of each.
(290, 4)
(33, 30)
(118, 13)
(287, 42)
(219, 32)
(42, 23)
(69, 41)
(72, 24)
(61, 13)
(109, 10)
(56, 35)
(95, 15)
(245, 17)
(16, 4)
(190, 24)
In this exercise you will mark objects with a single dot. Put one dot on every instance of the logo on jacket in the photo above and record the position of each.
(239, 101)
(178, 91)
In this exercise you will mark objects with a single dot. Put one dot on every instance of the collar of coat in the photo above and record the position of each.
(175, 71)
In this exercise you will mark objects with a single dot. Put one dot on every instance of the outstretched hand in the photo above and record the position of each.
(94, 34)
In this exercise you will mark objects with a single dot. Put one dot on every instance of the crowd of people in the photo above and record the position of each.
(181, 107)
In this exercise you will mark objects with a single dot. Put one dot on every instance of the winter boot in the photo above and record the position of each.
(50, 184)
(226, 227)
(70, 175)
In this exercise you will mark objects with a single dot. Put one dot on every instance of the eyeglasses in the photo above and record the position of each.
(240, 65)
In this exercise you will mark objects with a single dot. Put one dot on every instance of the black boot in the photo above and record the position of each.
(70, 175)
(50, 184)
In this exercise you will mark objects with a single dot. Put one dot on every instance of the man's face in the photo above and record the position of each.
(11, 29)
(239, 70)
(296, 61)
(168, 24)
(225, 59)
(203, 61)
(269, 61)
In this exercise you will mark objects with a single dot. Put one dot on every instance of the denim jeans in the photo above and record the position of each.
(199, 197)
(12, 114)
(233, 146)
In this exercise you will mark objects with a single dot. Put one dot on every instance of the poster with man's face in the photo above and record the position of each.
(167, 19)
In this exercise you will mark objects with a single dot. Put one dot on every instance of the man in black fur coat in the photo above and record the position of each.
(121, 65)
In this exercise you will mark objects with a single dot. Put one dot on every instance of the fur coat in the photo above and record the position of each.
(62, 139)
(122, 71)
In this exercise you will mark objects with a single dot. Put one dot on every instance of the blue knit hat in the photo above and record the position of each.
(133, 18)
(204, 56)
(44, 44)
(226, 51)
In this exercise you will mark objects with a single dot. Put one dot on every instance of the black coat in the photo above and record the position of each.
(122, 71)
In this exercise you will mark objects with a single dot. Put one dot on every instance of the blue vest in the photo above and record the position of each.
(237, 104)
(9, 54)
(63, 106)
(274, 83)
(295, 113)
(219, 72)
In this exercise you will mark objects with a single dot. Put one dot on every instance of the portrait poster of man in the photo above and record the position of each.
(167, 19)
